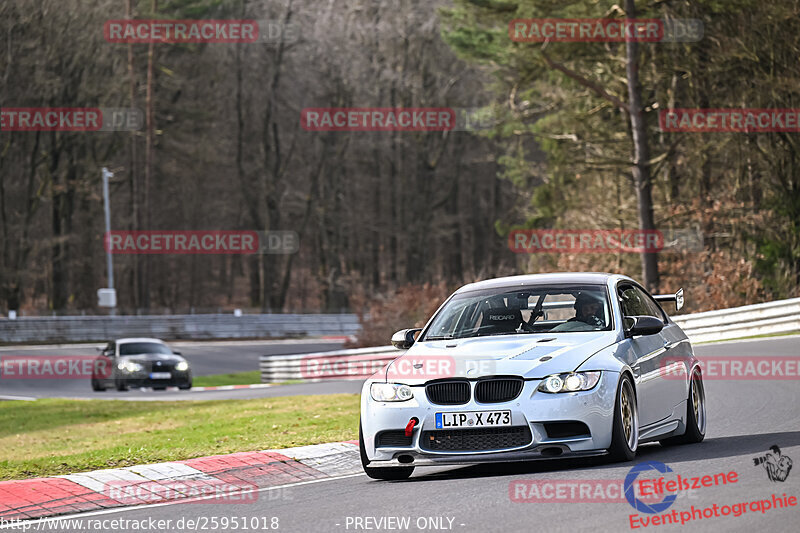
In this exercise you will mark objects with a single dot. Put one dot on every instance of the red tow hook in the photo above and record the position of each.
(410, 427)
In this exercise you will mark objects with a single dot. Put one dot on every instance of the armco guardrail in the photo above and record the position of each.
(782, 316)
(359, 363)
(199, 327)
(773, 317)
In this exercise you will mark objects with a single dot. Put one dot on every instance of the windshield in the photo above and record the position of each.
(133, 348)
(534, 309)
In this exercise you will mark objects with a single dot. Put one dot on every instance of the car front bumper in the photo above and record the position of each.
(532, 409)
(141, 379)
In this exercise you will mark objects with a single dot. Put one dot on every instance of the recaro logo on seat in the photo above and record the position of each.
(501, 317)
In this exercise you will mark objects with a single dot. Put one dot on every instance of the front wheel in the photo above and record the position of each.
(385, 473)
(695, 414)
(120, 385)
(625, 432)
(96, 386)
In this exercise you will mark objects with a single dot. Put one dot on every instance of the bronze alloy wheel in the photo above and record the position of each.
(630, 415)
(699, 402)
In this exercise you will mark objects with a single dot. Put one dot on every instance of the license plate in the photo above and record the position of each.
(160, 375)
(473, 419)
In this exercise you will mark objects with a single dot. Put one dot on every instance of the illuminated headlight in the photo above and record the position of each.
(182, 366)
(552, 384)
(569, 382)
(390, 392)
(130, 366)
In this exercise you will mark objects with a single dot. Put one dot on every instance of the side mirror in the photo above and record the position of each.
(641, 325)
(404, 339)
(175, 352)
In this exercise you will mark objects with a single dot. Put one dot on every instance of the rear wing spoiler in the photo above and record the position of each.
(677, 298)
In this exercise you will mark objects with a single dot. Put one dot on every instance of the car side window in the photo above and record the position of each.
(629, 301)
(635, 302)
(653, 308)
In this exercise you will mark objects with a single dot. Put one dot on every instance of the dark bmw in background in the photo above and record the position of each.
(140, 362)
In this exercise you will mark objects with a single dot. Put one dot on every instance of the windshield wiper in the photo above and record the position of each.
(506, 333)
(439, 338)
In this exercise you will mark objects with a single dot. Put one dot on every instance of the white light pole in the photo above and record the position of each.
(107, 204)
(108, 297)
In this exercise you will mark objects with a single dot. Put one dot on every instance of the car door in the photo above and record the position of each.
(653, 393)
(676, 350)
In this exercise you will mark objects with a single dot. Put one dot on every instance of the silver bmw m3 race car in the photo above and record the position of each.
(534, 367)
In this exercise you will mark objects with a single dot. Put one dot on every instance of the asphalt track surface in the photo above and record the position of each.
(745, 418)
(205, 358)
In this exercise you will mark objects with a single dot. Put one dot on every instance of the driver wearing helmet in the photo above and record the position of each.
(588, 309)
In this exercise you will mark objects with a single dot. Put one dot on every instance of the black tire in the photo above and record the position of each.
(120, 385)
(695, 418)
(623, 445)
(392, 473)
(185, 386)
(96, 386)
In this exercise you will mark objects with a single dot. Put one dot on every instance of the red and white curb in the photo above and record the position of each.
(233, 387)
(233, 478)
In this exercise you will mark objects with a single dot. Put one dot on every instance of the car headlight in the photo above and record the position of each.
(390, 392)
(130, 366)
(182, 366)
(569, 382)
